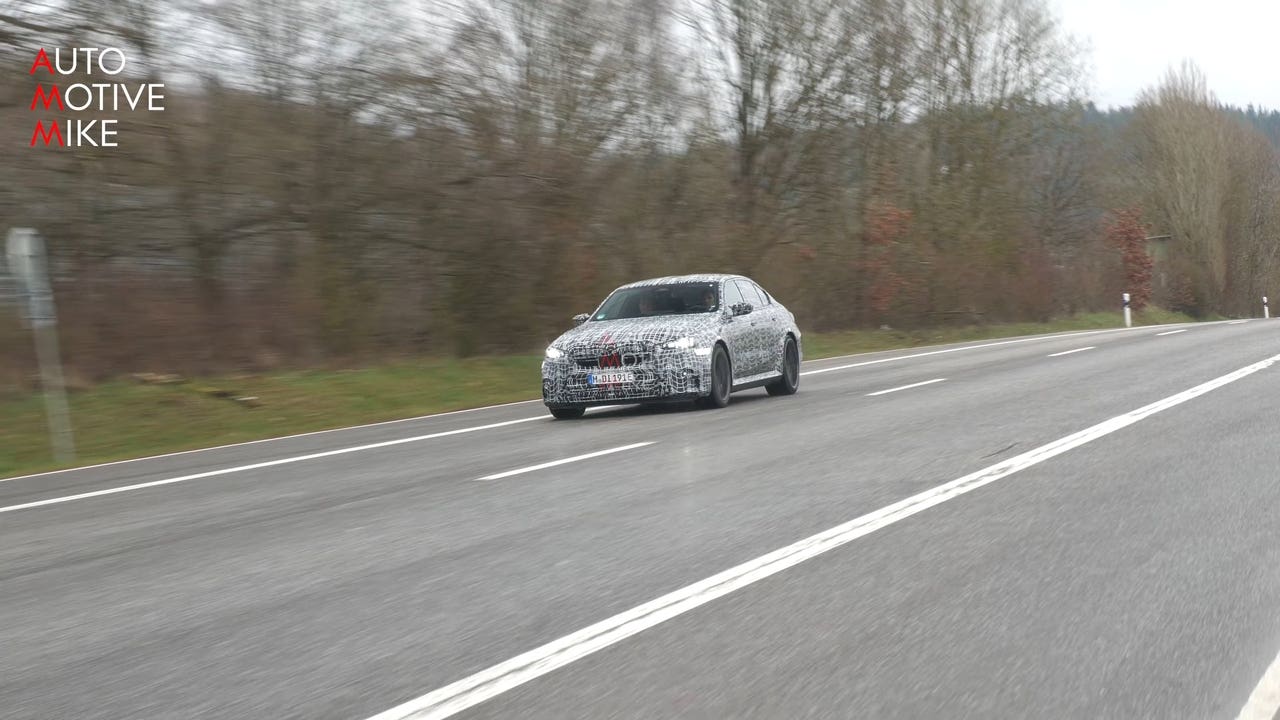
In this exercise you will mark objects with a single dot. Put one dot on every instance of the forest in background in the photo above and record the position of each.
(335, 182)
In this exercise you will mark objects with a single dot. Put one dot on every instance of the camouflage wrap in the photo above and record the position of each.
(666, 357)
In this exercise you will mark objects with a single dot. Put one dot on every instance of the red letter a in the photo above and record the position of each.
(42, 60)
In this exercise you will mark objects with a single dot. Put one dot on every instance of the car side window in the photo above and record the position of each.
(764, 296)
(750, 294)
(732, 295)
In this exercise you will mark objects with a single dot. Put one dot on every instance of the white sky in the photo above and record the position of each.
(1236, 43)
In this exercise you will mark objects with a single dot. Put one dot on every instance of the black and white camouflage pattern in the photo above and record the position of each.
(754, 341)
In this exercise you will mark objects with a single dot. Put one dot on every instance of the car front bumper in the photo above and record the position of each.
(672, 376)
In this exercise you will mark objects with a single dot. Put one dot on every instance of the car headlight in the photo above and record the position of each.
(554, 353)
(682, 344)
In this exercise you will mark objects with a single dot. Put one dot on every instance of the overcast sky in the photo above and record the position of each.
(1134, 41)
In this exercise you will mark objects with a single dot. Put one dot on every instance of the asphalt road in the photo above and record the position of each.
(338, 575)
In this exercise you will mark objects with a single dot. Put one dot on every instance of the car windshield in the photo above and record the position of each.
(655, 300)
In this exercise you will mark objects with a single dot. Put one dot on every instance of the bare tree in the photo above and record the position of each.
(782, 72)
(1181, 158)
(332, 178)
(543, 95)
(992, 80)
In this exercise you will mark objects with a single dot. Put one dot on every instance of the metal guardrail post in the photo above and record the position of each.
(28, 265)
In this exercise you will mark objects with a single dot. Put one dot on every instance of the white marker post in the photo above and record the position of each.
(1266, 310)
(27, 263)
(1128, 320)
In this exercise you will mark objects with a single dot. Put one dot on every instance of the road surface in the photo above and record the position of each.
(1085, 525)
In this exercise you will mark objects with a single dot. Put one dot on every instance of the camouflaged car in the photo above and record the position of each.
(682, 338)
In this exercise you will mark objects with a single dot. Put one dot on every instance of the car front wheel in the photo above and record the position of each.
(721, 379)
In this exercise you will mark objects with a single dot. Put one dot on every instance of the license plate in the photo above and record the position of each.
(610, 378)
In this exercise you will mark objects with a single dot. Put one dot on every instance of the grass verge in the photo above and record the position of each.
(127, 419)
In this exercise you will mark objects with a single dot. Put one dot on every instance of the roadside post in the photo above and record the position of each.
(29, 266)
(1128, 320)
(1266, 310)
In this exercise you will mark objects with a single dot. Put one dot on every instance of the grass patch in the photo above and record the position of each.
(126, 419)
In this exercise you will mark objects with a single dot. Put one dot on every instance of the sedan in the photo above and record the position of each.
(683, 338)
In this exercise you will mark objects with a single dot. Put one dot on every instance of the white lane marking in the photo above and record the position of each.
(467, 692)
(257, 466)
(1237, 322)
(553, 463)
(1033, 338)
(1068, 352)
(526, 402)
(1028, 338)
(267, 440)
(1023, 338)
(906, 387)
(1171, 332)
(1264, 701)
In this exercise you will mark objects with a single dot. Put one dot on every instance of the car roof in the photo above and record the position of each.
(695, 278)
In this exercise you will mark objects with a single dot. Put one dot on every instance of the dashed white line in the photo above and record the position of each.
(260, 465)
(1171, 332)
(1068, 352)
(553, 463)
(906, 387)
(1264, 701)
(470, 691)
(1237, 322)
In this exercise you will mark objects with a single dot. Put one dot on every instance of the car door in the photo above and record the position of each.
(736, 331)
(774, 320)
(757, 330)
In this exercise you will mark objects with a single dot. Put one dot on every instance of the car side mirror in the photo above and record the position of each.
(580, 318)
(742, 309)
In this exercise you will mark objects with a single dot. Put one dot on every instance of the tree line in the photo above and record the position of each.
(335, 181)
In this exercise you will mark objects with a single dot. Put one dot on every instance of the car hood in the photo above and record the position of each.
(660, 329)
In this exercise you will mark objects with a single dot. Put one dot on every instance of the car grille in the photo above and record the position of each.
(656, 372)
(613, 356)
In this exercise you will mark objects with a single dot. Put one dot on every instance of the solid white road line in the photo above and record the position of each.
(257, 466)
(1237, 322)
(1264, 702)
(1068, 352)
(526, 402)
(267, 440)
(1033, 338)
(906, 387)
(1023, 338)
(1171, 332)
(554, 463)
(486, 684)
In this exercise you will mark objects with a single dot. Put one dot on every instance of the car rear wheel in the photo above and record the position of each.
(721, 379)
(790, 380)
(567, 413)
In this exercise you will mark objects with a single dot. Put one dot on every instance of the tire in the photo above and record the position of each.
(567, 413)
(790, 380)
(721, 379)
